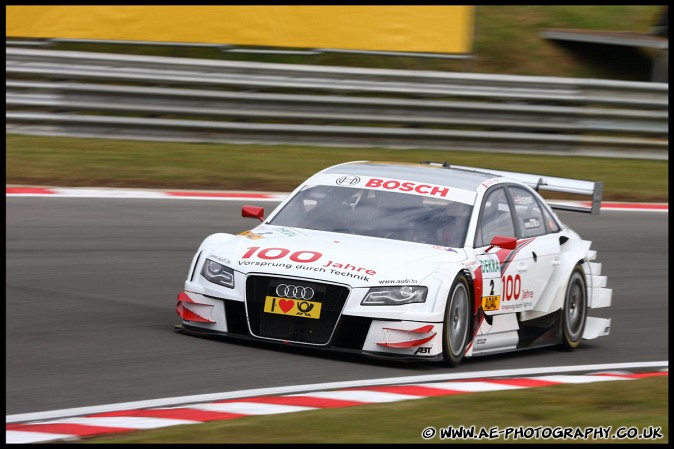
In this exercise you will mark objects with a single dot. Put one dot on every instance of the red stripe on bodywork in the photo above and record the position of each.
(188, 315)
(420, 330)
(24, 190)
(506, 256)
(189, 414)
(477, 289)
(479, 317)
(80, 430)
(184, 297)
(406, 344)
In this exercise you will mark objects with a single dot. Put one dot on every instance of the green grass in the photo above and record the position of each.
(637, 403)
(73, 162)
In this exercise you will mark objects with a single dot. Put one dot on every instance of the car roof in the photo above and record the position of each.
(422, 172)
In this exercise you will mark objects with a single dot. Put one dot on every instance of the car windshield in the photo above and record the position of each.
(376, 213)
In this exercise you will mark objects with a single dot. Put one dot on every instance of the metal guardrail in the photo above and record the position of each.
(181, 99)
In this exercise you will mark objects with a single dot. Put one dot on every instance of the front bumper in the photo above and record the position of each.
(208, 316)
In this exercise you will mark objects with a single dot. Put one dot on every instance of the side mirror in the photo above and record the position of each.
(253, 212)
(503, 242)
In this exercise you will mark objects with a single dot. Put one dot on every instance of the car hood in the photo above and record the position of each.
(342, 258)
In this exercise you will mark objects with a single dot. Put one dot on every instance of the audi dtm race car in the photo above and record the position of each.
(416, 261)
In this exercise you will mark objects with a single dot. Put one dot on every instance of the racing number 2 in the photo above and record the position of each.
(279, 253)
(513, 287)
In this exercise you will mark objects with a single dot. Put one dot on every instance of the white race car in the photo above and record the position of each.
(415, 261)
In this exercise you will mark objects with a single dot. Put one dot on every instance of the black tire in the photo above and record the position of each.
(457, 324)
(574, 312)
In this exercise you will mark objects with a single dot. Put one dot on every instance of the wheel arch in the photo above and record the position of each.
(448, 278)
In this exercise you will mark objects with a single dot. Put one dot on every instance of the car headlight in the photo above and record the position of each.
(218, 274)
(393, 296)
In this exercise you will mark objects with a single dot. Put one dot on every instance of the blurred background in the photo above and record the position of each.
(609, 42)
(174, 96)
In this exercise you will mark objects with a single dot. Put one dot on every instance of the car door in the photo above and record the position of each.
(513, 211)
(496, 219)
(538, 250)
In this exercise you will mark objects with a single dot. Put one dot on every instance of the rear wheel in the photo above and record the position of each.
(457, 322)
(574, 313)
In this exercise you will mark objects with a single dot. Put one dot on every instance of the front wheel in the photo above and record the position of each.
(574, 313)
(456, 333)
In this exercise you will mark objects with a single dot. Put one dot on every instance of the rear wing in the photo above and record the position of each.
(541, 182)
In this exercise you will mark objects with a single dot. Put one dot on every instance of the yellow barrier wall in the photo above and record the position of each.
(436, 29)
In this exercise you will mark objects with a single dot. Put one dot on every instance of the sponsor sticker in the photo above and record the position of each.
(395, 185)
(221, 259)
(292, 307)
(523, 199)
(408, 186)
(491, 302)
(491, 282)
(348, 180)
(531, 223)
(251, 235)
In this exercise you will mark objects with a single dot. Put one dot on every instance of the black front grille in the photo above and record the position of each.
(235, 313)
(351, 332)
(293, 328)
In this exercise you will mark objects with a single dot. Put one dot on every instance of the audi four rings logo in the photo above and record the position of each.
(348, 180)
(295, 292)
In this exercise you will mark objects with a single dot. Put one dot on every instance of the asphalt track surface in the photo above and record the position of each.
(91, 287)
